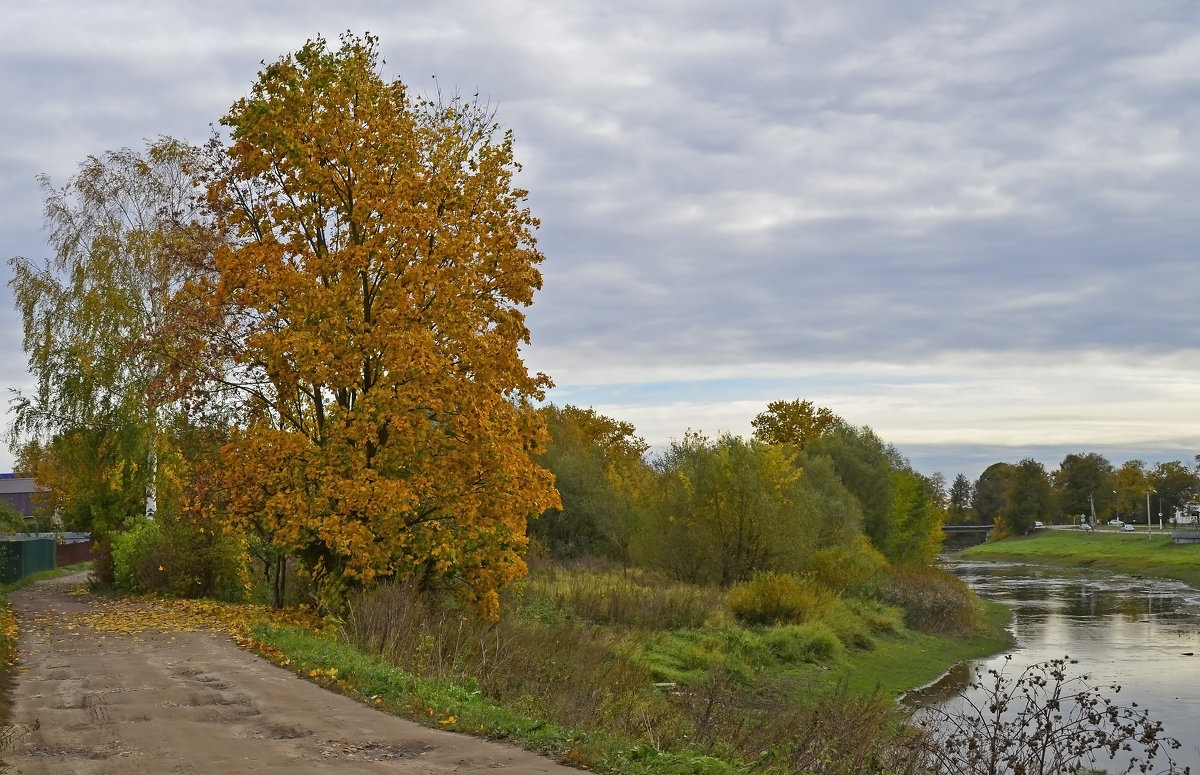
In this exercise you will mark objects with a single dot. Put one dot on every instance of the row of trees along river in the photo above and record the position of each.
(1014, 496)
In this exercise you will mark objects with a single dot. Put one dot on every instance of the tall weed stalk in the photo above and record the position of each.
(572, 673)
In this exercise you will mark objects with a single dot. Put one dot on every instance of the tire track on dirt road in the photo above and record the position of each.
(116, 703)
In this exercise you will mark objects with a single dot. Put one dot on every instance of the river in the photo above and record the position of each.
(1142, 634)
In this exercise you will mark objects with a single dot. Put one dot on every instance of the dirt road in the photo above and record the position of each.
(191, 702)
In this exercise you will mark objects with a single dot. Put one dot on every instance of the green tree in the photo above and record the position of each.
(10, 521)
(834, 512)
(1174, 485)
(380, 262)
(902, 510)
(88, 479)
(1131, 483)
(991, 492)
(723, 510)
(1028, 498)
(864, 463)
(915, 519)
(591, 457)
(93, 315)
(793, 422)
(959, 502)
(1080, 480)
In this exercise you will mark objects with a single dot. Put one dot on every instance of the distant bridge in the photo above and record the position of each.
(962, 536)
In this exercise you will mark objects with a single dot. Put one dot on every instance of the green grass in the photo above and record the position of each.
(1130, 553)
(847, 648)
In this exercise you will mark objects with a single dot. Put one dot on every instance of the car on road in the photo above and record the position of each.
(1115, 522)
(1038, 523)
(1084, 526)
(1127, 528)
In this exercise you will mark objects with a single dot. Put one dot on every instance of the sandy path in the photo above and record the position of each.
(189, 702)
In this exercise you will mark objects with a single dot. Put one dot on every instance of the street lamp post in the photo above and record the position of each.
(1148, 513)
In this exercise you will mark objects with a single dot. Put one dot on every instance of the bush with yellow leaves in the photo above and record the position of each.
(779, 598)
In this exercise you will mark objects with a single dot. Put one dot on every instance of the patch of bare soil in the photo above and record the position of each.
(109, 703)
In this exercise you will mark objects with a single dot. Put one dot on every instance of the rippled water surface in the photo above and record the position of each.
(1142, 634)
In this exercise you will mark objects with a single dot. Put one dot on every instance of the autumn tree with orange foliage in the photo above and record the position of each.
(380, 259)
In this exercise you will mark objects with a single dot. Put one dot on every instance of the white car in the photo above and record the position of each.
(1115, 522)
(1127, 528)
(1038, 523)
(1084, 526)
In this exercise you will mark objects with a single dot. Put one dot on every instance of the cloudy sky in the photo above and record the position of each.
(970, 225)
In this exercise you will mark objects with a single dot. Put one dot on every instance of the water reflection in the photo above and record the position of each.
(1141, 634)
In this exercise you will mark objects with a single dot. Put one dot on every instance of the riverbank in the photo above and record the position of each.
(676, 681)
(1130, 553)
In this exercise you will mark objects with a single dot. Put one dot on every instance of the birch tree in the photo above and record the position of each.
(92, 312)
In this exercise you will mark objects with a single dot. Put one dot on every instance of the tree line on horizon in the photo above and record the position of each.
(1085, 485)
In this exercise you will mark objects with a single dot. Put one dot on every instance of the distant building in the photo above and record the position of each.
(17, 492)
(1189, 515)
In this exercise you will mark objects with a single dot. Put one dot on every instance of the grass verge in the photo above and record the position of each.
(369, 679)
(700, 693)
(1130, 553)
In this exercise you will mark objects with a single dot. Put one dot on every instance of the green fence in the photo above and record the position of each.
(21, 557)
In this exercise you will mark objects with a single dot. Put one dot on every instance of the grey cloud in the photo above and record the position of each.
(727, 183)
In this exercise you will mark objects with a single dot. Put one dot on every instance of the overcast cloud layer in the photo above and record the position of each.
(969, 225)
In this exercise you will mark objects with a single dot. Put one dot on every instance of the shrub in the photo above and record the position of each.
(10, 520)
(103, 570)
(130, 552)
(771, 598)
(850, 628)
(814, 642)
(179, 558)
(832, 733)
(934, 601)
(846, 568)
(879, 618)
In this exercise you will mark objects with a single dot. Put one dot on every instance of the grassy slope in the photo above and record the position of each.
(897, 665)
(1130, 553)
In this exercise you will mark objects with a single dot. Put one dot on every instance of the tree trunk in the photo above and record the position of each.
(152, 480)
(279, 582)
